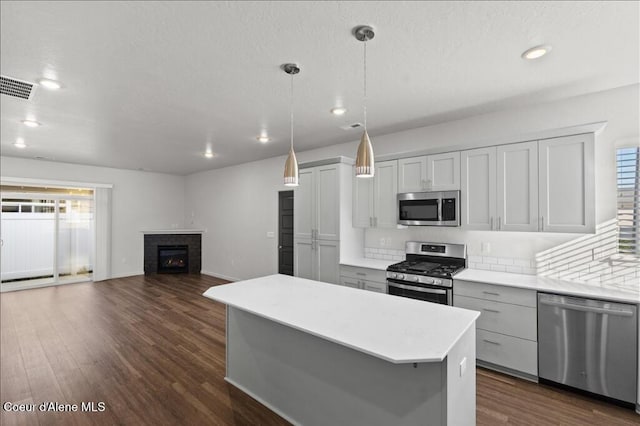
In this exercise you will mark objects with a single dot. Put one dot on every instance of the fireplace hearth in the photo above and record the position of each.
(173, 259)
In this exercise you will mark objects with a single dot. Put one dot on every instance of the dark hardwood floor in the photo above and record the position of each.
(152, 349)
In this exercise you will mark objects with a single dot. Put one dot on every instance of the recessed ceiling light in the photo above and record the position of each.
(19, 143)
(263, 138)
(49, 84)
(536, 52)
(338, 110)
(209, 154)
(31, 123)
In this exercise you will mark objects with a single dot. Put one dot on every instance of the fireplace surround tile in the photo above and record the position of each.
(153, 240)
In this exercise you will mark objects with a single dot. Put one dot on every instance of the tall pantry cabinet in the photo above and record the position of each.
(322, 216)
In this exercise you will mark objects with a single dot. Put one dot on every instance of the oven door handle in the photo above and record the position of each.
(420, 289)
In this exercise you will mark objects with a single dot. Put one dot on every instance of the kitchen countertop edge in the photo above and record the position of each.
(611, 292)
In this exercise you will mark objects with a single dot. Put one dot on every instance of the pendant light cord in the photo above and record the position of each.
(365, 84)
(291, 108)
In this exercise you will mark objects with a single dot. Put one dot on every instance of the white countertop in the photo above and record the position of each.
(629, 292)
(172, 231)
(396, 329)
(365, 262)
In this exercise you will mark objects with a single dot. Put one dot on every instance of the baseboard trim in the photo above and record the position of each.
(20, 285)
(124, 275)
(260, 400)
(218, 275)
(506, 370)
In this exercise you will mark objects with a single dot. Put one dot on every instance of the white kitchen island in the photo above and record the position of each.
(323, 354)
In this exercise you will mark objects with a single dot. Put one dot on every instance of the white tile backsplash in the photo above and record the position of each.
(489, 263)
(384, 254)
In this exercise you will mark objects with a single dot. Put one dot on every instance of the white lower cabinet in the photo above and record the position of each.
(363, 278)
(506, 331)
(317, 260)
(507, 351)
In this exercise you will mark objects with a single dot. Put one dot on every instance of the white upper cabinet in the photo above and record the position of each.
(439, 172)
(567, 184)
(363, 201)
(317, 203)
(517, 190)
(478, 188)
(412, 174)
(374, 199)
(304, 204)
(385, 194)
(327, 202)
(443, 172)
(545, 185)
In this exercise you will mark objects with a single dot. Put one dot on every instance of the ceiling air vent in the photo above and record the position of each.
(16, 88)
(352, 126)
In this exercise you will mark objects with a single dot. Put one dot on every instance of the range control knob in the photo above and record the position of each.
(416, 279)
(400, 276)
(436, 281)
(429, 280)
(392, 274)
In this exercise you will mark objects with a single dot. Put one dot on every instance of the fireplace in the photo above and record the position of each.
(155, 242)
(173, 259)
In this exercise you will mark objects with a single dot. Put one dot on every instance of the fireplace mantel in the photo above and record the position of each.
(173, 231)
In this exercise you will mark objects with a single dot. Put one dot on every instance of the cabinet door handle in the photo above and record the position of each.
(492, 342)
(492, 223)
(491, 293)
(499, 223)
(491, 310)
(361, 273)
(542, 223)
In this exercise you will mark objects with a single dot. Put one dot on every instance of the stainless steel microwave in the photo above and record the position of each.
(440, 208)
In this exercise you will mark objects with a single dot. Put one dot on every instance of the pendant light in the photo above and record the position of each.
(291, 165)
(364, 158)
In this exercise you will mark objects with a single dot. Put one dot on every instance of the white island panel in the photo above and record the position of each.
(396, 329)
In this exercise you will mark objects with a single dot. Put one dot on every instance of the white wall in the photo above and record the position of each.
(238, 205)
(140, 200)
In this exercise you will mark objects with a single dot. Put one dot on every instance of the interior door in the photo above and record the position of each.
(285, 232)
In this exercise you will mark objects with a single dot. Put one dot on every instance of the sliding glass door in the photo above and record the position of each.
(47, 236)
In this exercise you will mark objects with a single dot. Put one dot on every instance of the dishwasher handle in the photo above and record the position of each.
(573, 307)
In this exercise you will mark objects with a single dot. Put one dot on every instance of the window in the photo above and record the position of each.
(628, 161)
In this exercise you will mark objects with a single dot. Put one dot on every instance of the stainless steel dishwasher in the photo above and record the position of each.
(588, 344)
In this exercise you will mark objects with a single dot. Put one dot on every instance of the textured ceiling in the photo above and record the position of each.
(148, 85)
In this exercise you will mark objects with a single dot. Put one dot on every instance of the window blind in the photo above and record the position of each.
(628, 162)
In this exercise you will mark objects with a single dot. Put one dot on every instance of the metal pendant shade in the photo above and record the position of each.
(291, 169)
(365, 161)
(291, 165)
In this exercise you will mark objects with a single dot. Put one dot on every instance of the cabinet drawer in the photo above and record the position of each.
(374, 286)
(363, 273)
(505, 318)
(498, 293)
(511, 352)
(349, 282)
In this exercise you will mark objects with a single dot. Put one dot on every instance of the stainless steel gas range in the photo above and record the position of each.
(427, 272)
